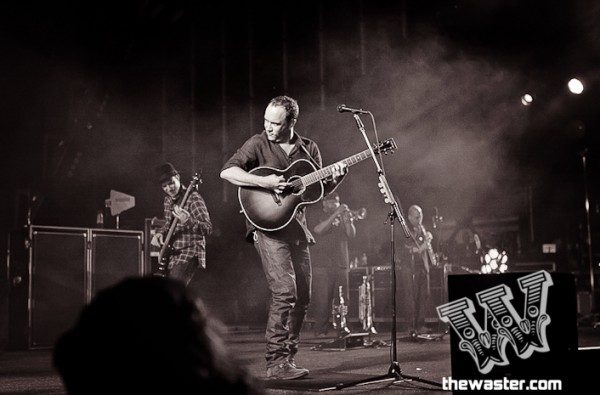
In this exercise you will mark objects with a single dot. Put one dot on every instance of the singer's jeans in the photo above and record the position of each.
(287, 268)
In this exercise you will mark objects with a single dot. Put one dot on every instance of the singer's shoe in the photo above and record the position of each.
(292, 362)
(285, 371)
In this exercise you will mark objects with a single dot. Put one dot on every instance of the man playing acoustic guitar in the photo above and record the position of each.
(193, 223)
(284, 252)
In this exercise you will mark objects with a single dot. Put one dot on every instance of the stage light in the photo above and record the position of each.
(526, 99)
(575, 86)
(494, 262)
(493, 253)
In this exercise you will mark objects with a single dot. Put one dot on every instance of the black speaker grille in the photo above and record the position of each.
(57, 284)
(114, 257)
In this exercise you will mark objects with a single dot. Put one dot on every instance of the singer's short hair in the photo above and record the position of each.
(291, 106)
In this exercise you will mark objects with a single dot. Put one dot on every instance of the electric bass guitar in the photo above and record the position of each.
(428, 256)
(167, 248)
(269, 211)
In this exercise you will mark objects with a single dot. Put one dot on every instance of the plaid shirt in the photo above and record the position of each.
(188, 238)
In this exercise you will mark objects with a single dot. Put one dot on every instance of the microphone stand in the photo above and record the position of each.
(394, 372)
(584, 156)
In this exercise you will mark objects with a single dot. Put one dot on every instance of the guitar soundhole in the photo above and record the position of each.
(297, 187)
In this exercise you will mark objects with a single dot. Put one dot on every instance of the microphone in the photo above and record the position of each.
(343, 108)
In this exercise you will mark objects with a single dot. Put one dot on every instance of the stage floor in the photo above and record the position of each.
(31, 372)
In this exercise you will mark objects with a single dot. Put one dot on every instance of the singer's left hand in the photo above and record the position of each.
(339, 169)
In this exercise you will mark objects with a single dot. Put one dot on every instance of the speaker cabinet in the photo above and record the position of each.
(115, 256)
(437, 293)
(55, 271)
(17, 267)
(382, 285)
(151, 225)
(57, 283)
(382, 304)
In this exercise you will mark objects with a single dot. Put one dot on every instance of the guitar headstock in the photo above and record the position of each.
(196, 180)
(385, 146)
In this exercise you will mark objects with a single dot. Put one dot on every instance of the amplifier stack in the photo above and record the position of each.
(55, 271)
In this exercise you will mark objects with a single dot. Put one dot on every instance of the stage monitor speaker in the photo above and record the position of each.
(520, 326)
(116, 254)
(57, 283)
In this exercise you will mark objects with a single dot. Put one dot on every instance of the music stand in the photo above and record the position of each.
(394, 372)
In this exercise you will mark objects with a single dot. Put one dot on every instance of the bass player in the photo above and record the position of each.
(193, 224)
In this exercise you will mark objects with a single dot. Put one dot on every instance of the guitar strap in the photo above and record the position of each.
(314, 162)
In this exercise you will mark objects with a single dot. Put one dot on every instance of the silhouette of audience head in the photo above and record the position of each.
(145, 335)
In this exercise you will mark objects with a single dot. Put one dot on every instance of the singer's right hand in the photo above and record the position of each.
(157, 240)
(274, 182)
(342, 209)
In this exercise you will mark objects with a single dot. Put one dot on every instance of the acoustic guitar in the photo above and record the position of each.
(269, 211)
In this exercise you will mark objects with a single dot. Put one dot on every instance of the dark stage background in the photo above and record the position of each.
(94, 95)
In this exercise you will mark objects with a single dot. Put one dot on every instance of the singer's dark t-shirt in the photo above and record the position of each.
(259, 151)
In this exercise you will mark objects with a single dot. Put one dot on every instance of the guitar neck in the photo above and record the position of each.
(325, 172)
(172, 228)
(173, 225)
